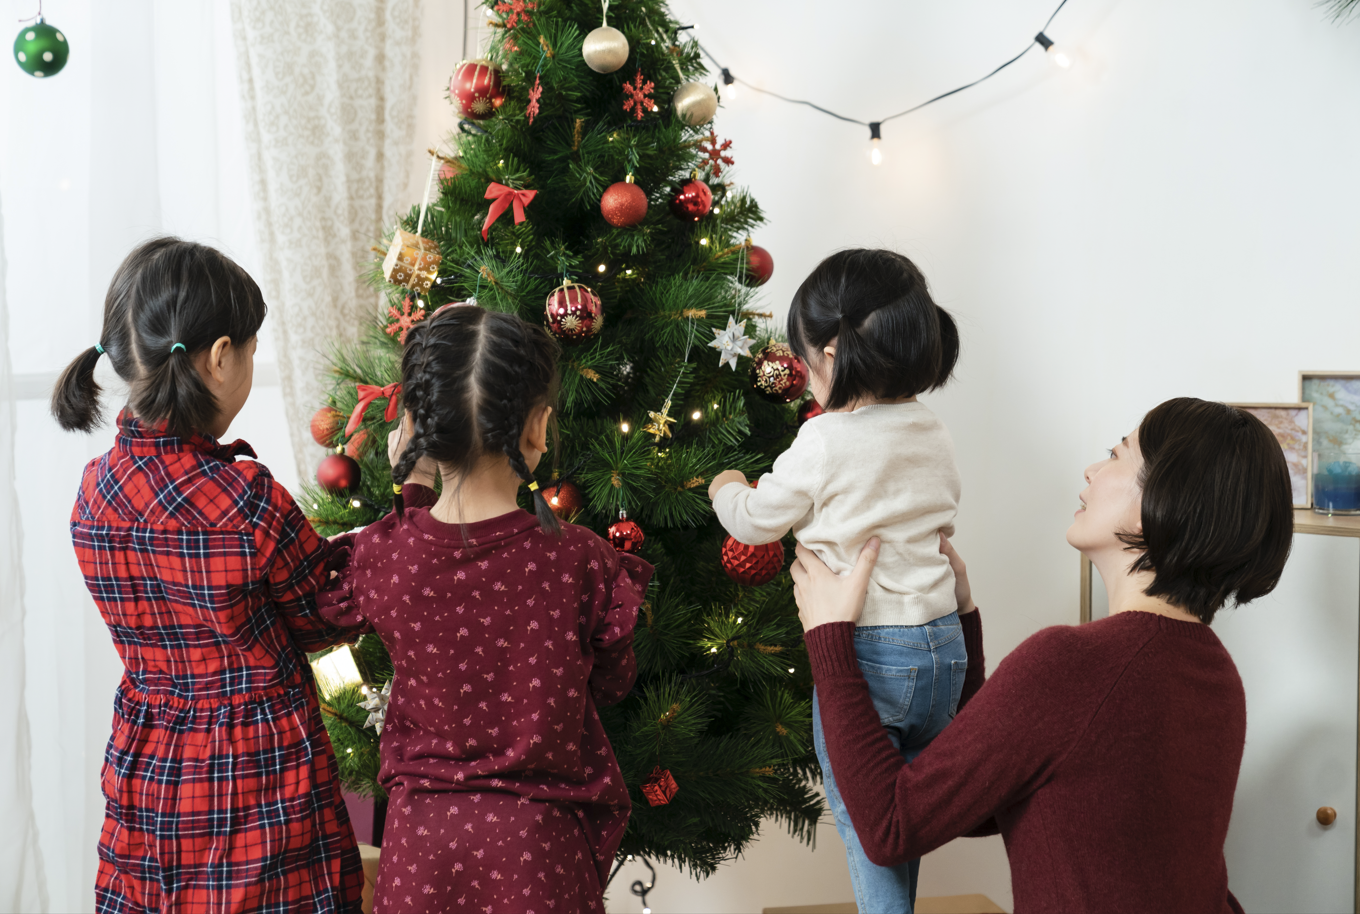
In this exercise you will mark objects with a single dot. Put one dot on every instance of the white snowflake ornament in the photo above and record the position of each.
(376, 706)
(731, 342)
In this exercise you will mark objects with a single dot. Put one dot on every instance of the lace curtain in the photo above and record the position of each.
(328, 92)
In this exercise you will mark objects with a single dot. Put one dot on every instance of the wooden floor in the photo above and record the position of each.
(940, 904)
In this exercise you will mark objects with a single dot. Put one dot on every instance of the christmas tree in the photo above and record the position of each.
(585, 174)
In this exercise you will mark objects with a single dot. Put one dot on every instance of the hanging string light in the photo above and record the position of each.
(1051, 50)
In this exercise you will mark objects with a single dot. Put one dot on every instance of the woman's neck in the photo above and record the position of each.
(490, 490)
(1127, 589)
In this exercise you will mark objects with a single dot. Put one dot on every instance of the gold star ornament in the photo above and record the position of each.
(661, 422)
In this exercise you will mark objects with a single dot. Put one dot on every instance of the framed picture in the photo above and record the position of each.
(1292, 424)
(1335, 396)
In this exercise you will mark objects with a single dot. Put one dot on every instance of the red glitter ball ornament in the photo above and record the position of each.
(626, 536)
(752, 566)
(759, 266)
(692, 201)
(659, 787)
(325, 423)
(809, 409)
(476, 89)
(338, 473)
(624, 203)
(574, 312)
(777, 374)
(564, 498)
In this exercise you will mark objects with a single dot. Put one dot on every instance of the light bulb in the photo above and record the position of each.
(623, 427)
(738, 620)
(875, 144)
(646, 910)
(703, 241)
(790, 669)
(600, 268)
(519, 250)
(356, 503)
(1054, 53)
(696, 415)
(729, 84)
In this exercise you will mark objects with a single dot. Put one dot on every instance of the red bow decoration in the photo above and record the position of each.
(367, 394)
(504, 196)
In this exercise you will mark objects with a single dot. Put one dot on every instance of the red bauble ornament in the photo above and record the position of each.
(574, 312)
(325, 423)
(624, 204)
(476, 89)
(692, 201)
(809, 409)
(626, 536)
(357, 444)
(338, 473)
(759, 266)
(777, 374)
(659, 787)
(564, 498)
(752, 566)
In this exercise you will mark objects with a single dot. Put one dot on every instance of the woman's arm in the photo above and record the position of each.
(987, 759)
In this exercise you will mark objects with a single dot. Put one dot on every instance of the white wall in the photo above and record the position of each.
(1174, 215)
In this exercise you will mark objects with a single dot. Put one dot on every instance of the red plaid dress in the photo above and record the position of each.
(221, 790)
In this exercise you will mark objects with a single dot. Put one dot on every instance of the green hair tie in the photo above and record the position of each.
(179, 346)
(98, 348)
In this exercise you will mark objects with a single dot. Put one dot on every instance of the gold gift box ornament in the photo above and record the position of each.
(412, 261)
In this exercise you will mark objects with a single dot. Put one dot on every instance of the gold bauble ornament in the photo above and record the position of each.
(605, 49)
(695, 104)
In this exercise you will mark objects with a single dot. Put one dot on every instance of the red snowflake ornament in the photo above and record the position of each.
(660, 787)
(637, 100)
(404, 319)
(714, 151)
(517, 10)
(534, 95)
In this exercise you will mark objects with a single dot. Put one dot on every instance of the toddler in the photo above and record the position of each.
(507, 632)
(876, 463)
(221, 792)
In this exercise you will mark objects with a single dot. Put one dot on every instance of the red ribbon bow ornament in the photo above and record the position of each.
(503, 197)
(367, 394)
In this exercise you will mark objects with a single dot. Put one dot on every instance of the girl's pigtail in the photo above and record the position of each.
(75, 399)
(174, 392)
(949, 347)
(516, 408)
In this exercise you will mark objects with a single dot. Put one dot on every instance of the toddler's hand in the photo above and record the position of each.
(963, 591)
(723, 479)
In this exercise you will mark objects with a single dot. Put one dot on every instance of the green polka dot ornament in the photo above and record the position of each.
(41, 50)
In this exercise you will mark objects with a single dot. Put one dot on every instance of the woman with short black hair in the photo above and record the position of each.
(1106, 754)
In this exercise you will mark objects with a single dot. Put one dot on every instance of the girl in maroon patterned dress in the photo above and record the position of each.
(506, 633)
(221, 791)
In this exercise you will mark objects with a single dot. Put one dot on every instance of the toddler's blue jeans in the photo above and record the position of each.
(915, 675)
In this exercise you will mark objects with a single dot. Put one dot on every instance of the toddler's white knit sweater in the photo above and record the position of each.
(885, 471)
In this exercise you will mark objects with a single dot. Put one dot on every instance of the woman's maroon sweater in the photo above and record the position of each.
(1106, 755)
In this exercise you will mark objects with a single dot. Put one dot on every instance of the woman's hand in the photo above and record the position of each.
(824, 596)
(425, 469)
(722, 479)
(963, 591)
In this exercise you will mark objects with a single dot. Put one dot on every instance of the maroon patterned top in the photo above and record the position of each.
(504, 644)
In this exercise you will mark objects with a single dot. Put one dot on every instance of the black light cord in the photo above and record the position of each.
(728, 79)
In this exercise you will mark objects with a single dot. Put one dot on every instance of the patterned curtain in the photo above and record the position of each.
(328, 90)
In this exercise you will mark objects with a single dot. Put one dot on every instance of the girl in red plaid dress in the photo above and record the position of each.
(507, 632)
(221, 790)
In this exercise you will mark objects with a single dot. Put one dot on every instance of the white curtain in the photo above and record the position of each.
(23, 885)
(329, 93)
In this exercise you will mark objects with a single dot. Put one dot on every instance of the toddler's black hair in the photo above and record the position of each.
(470, 378)
(168, 301)
(892, 340)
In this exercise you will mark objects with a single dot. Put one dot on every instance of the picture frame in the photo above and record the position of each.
(1335, 396)
(1292, 425)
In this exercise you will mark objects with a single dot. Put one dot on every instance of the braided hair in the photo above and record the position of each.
(470, 378)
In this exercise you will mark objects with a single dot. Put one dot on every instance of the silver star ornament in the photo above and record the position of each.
(376, 706)
(731, 342)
